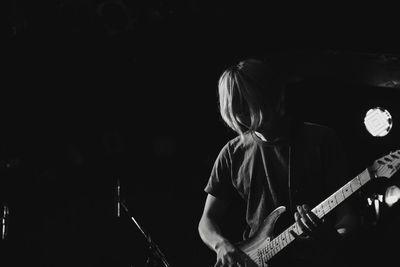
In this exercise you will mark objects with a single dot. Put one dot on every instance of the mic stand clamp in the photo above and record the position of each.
(155, 257)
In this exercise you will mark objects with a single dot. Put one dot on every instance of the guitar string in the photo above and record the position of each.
(255, 253)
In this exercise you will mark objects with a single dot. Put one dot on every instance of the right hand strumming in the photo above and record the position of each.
(229, 256)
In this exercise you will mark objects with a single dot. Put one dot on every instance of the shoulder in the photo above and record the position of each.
(236, 145)
(240, 143)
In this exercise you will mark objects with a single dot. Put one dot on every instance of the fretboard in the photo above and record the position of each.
(326, 206)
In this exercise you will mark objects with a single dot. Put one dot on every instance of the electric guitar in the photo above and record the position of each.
(263, 246)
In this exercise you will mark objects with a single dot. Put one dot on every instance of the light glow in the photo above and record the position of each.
(392, 195)
(378, 122)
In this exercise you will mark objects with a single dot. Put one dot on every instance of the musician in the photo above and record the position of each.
(275, 160)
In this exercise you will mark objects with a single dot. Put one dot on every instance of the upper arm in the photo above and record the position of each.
(214, 208)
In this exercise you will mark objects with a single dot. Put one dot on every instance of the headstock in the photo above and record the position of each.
(387, 165)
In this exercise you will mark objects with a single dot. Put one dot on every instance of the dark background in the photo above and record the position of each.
(95, 91)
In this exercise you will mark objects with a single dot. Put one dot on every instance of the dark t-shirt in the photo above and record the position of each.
(311, 163)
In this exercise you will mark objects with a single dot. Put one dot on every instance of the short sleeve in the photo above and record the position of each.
(220, 181)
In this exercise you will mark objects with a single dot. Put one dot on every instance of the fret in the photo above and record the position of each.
(268, 255)
(332, 202)
(290, 237)
(364, 177)
(318, 212)
(351, 188)
(325, 206)
(277, 248)
(294, 228)
(274, 244)
(346, 190)
(285, 238)
(357, 181)
(260, 258)
(299, 231)
(339, 196)
(341, 191)
(279, 245)
(355, 184)
(321, 208)
(274, 251)
(271, 253)
(282, 239)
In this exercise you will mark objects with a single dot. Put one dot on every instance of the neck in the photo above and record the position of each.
(271, 131)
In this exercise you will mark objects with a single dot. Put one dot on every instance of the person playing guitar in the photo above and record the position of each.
(275, 161)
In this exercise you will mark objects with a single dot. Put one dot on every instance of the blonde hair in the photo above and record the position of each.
(244, 90)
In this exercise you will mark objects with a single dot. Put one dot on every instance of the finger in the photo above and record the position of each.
(301, 211)
(295, 236)
(298, 237)
(306, 207)
(230, 261)
(302, 224)
(299, 226)
(233, 262)
(312, 220)
(312, 216)
(307, 222)
(240, 260)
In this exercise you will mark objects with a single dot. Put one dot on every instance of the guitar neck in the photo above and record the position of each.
(326, 206)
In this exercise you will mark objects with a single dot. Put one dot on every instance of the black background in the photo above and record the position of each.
(131, 94)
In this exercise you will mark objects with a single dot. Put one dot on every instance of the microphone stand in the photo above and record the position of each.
(155, 256)
(4, 222)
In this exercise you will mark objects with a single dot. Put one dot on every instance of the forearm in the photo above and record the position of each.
(211, 234)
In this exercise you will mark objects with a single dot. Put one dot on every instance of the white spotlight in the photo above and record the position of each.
(392, 195)
(378, 122)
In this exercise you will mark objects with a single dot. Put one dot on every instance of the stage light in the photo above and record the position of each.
(378, 122)
(392, 195)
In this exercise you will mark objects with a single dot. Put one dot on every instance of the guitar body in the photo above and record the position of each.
(263, 245)
(261, 238)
